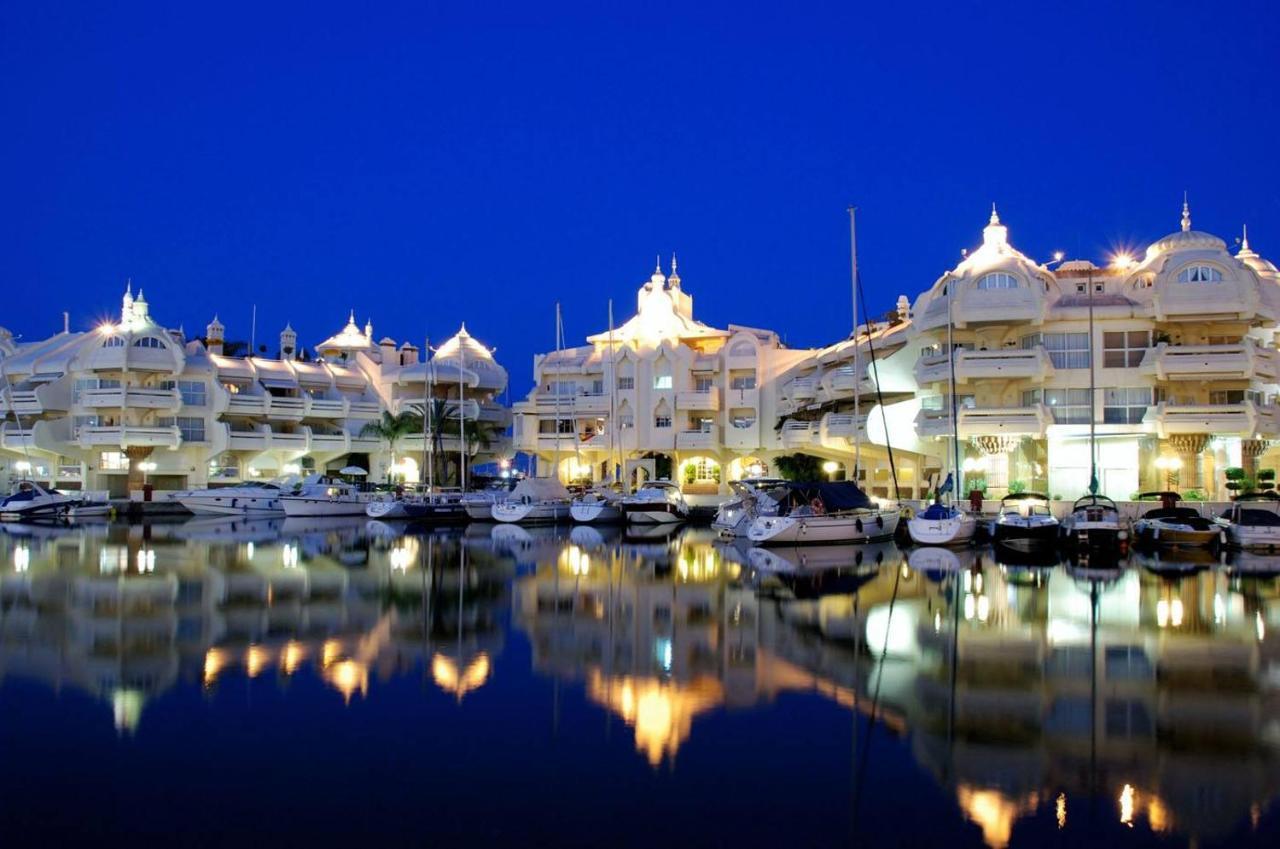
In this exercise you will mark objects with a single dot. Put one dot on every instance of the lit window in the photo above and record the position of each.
(998, 280)
(662, 381)
(149, 342)
(113, 342)
(1199, 274)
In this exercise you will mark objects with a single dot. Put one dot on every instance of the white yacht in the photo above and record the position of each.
(752, 498)
(1251, 526)
(30, 502)
(655, 503)
(1095, 524)
(479, 504)
(1025, 523)
(534, 501)
(319, 496)
(253, 498)
(597, 506)
(812, 513)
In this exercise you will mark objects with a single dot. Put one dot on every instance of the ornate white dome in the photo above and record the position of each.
(1186, 238)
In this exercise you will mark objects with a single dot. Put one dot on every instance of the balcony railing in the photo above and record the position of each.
(701, 438)
(247, 405)
(1003, 363)
(801, 388)
(326, 408)
(129, 435)
(1001, 421)
(798, 434)
(698, 399)
(1201, 362)
(135, 397)
(286, 408)
(1243, 418)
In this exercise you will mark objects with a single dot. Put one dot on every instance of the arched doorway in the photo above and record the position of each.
(748, 467)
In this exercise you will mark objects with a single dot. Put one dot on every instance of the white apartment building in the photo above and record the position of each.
(662, 394)
(133, 402)
(1186, 365)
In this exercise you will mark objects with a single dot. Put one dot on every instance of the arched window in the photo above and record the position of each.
(662, 373)
(1199, 274)
(662, 415)
(626, 375)
(113, 342)
(149, 342)
(742, 348)
(998, 280)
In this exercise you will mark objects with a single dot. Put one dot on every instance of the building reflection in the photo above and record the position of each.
(1019, 688)
(124, 613)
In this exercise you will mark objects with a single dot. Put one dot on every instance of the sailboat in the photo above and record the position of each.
(1095, 523)
(603, 505)
(540, 500)
(946, 524)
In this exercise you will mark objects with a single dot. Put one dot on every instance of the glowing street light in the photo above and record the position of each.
(831, 467)
(1170, 466)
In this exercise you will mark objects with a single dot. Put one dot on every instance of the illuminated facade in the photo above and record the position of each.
(663, 394)
(133, 401)
(1184, 347)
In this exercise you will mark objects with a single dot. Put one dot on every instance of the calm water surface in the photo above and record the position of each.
(314, 683)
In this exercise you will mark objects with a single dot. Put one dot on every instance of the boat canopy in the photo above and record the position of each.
(539, 489)
(1093, 501)
(835, 496)
(1025, 496)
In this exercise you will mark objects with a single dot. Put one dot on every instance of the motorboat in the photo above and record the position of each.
(752, 498)
(1251, 525)
(30, 502)
(1025, 523)
(320, 496)
(657, 502)
(835, 512)
(598, 506)
(1095, 523)
(942, 524)
(261, 498)
(424, 507)
(534, 501)
(1171, 526)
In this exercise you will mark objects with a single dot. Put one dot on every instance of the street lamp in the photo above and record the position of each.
(146, 467)
(831, 467)
(1170, 467)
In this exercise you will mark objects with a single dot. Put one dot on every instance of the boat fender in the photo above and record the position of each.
(233, 503)
(857, 523)
(880, 522)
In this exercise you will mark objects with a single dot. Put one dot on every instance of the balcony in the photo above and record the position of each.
(337, 443)
(1031, 421)
(703, 438)
(1003, 363)
(247, 440)
(801, 388)
(299, 441)
(846, 426)
(698, 399)
(844, 382)
(933, 422)
(129, 436)
(16, 438)
(286, 408)
(933, 368)
(247, 405)
(1199, 362)
(798, 434)
(134, 397)
(325, 408)
(363, 409)
(576, 402)
(1223, 419)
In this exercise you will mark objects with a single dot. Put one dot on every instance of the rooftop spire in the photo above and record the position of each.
(657, 264)
(1186, 213)
(995, 216)
(1244, 238)
(673, 263)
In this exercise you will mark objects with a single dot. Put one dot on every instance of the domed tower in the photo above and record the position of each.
(214, 336)
(288, 342)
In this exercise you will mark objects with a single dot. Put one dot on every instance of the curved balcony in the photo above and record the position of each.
(1223, 419)
(698, 439)
(134, 397)
(285, 408)
(325, 408)
(1202, 362)
(799, 434)
(128, 436)
(1031, 421)
(247, 405)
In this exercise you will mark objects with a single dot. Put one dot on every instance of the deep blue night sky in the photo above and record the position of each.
(429, 163)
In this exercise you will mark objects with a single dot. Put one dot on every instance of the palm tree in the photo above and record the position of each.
(444, 422)
(390, 428)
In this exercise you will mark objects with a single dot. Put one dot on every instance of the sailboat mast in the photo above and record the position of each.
(613, 400)
(951, 367)
(857, 375)
(1093, 415)
(426, 414)
(555, 466)
(462, 417)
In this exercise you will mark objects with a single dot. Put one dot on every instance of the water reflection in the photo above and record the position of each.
(1033, 694)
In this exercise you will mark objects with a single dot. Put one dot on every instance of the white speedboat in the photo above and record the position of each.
(655, 503)
(318, 496)
(30, 502)
(1095, 524)
(1025, 523)
(597, 506)
(254, 498)
(1171, 526)
(428, 508)
(812, 513)
(1251, 525)
(752, 498)
(942, 525)
(534, 501)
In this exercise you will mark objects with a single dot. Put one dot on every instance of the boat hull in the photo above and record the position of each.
(1164, 536)
(535, 513)
(956, 530)
(811, 530)
(217, 505)
(1254, 537)
(297, 506)
(1022, 537)
(598, 513)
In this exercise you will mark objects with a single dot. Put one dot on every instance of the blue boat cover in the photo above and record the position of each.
(937, 511)
(835, 496)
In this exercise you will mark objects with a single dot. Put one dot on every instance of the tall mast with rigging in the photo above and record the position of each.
(857, 377)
